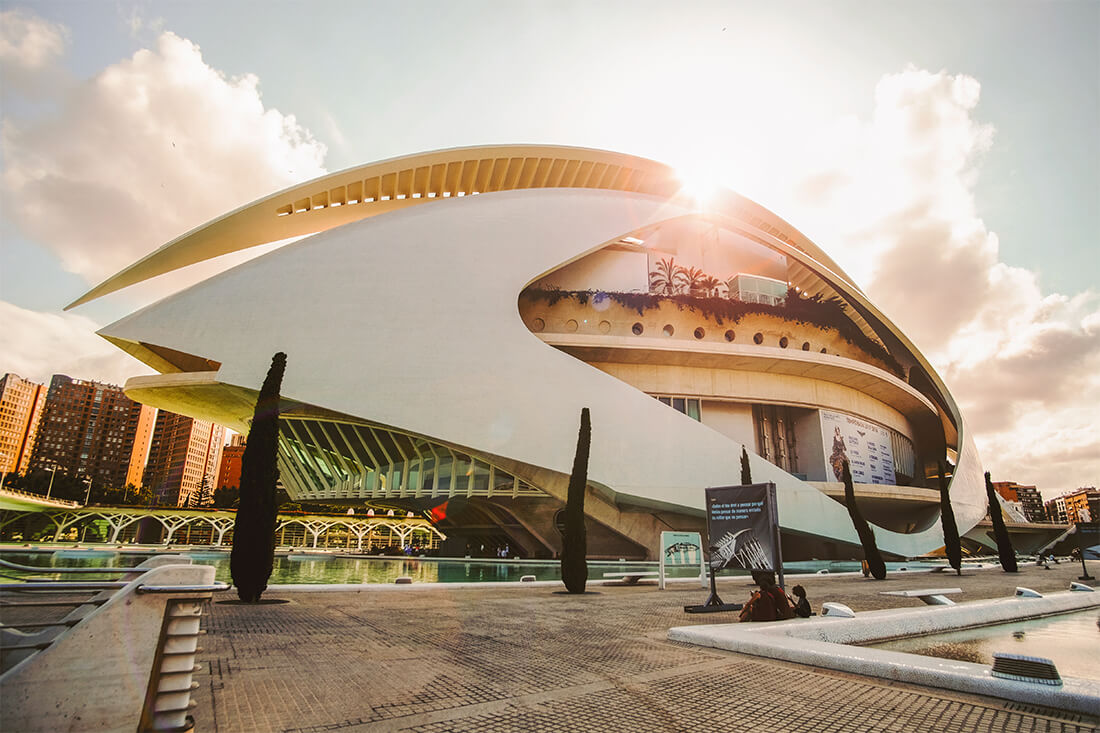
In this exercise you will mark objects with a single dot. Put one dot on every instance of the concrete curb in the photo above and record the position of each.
(826, 642)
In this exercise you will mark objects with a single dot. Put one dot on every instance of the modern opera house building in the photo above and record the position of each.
(447, 315)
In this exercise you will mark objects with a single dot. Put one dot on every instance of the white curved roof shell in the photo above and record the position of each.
(410, 320)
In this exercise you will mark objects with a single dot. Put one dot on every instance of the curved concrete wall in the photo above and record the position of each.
(410, 320)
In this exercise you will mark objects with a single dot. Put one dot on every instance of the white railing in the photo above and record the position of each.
(122, 659)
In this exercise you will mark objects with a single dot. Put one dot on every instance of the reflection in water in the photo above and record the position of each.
(1070, 640)
(320, 568)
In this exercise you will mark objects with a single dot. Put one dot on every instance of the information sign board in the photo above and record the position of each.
(679, 549)
(743, 528)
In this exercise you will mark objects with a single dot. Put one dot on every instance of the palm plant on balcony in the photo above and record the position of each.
(667, 278)
(693, 281)
(709, 286)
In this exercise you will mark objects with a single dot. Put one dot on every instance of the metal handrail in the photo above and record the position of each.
(40, 569)
(61, 585)
(217, 587)
(33, 495)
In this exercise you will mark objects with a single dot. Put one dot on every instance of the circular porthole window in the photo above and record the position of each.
(758, 338)
(729, 336)
(637, 329)
(805, 345)
(571, 326)
(668, 330)
(605, 326)
(783, 342)
(538, 324)
(700, 333)
(823, 350)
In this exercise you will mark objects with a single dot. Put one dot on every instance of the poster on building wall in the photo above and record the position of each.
(682, 549)
(743, 528)
(865, 445)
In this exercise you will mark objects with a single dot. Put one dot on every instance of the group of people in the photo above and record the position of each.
(770, 603)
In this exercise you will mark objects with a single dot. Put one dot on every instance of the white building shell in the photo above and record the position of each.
(427, 360)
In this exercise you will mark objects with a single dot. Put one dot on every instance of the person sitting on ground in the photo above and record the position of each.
(802, 606)
(769, 603)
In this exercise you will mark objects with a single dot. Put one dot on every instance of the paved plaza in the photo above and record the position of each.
(535, 658)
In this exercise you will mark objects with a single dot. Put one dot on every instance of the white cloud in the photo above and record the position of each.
(30, 48)
(37, 345)
(143, 152)
(30, 42)
(892, 200)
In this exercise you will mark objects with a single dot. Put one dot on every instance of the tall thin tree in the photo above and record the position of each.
(1005, 551)
(253, 554)
(951, 545)
(746, 471)
(574, 545)
(866, 534)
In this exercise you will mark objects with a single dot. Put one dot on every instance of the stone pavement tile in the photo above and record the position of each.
(752, 696)
(531, 659)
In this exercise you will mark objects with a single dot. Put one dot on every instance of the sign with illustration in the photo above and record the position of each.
(743, 528)
(865, 445)
(1088, 539)
(679, 549)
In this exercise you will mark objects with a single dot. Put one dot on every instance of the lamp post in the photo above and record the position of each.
(88, 493)
(53, 472)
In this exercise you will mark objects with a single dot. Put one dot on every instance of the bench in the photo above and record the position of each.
(632, 577)
(931, 596)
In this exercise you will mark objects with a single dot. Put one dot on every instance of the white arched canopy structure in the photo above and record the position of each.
(412, 372)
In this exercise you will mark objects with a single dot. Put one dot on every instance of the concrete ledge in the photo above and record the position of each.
(825, 642)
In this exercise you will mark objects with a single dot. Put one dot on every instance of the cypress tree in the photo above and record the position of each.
(951, 546)
(1005, 552)
(746, 472)
(866, 535)
(253, 555)
(574, 545)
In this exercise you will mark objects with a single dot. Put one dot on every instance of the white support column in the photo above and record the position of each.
(57, 517)
(222, 525)
(119, 521)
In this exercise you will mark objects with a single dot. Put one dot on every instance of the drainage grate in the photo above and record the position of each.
(1026, 669)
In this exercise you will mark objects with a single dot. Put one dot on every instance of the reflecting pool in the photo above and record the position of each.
(327, 568)
(1071, 641)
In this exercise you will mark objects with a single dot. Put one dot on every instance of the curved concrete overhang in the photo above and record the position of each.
(877, 383)
(378, 188)
(362, 342)
(953, 422)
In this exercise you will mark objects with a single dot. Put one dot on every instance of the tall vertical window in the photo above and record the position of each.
(775, 439)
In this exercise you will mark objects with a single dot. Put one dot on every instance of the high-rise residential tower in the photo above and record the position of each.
(21, 403)
(87, 429)
(184, 452)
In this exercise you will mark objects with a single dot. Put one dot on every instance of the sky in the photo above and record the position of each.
(945, 154)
